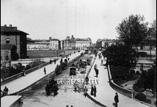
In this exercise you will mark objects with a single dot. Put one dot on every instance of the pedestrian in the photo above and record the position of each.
(95, 66)
(47, 89)
(54, 61)
(85, 91)
(61, 61)
(96, 72)
(5, 91)
(55, 89)
(99, 55)
(94, 91)
(116, 99)
(75, 86)
(101, 61)
(44, 70)
(87, 80)
(95, 54)
(50, 61)
(24, 72)
(106, 62)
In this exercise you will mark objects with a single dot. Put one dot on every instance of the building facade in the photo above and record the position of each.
(54, 44)
(72, 43)
(68, 43)
(104, 43)
(12, 36)
(37, 46)
(83, 43)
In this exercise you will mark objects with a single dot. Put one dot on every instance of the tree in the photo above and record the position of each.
(14, 54)
(132, 31)
(120, 55)
(151, 35)
(153, 30)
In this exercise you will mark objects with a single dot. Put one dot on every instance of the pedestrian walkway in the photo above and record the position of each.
(105, 94)
(27, 80)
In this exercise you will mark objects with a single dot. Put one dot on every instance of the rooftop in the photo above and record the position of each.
(11, 30)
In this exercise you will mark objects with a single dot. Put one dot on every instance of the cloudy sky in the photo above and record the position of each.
(82, 18)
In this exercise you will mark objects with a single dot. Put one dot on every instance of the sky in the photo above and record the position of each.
(96, 19)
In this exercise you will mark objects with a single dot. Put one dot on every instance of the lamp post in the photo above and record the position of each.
(155, 78)
(150, 46)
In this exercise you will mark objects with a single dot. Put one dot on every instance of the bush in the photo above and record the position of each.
(27, 67)
(119, 72)
(17, 68)
(132, 72)
(138, 89)
(141, 97)
(35, 63)
(138, 73)
(148, 101)
(142, 54)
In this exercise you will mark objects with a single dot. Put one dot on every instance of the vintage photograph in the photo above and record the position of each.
(78, 53)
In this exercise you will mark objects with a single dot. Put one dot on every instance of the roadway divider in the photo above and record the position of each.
(89, 71)
(97, 102)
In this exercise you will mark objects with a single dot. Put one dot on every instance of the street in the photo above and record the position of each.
(36, 97)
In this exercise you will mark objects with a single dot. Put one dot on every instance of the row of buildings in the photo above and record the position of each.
(56, 44)
(15, 44)
(104, 43)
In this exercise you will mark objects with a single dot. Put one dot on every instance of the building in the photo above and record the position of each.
(83, 43)
(69, 43)
(72, 43)
(104, 43)
(38, 46)
(55, 44)
(11, 37)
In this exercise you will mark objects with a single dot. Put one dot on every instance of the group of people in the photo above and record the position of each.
(77, 87)
(52, 86)
(93, 90)
(53, 61)
(4, 92)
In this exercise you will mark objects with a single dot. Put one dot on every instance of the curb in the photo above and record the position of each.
(95, 101)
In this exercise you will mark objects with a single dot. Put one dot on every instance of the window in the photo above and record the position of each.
(6, 58)
(7, 40)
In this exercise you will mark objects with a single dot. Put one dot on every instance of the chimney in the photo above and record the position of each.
(10, 25)
(50, 38)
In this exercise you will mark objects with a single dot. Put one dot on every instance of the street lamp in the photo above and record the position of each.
(150, 46)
